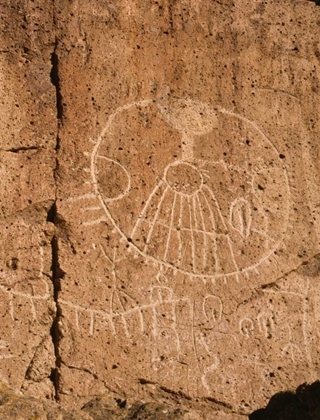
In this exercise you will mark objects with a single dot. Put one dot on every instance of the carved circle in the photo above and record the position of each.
(114, 180)
(183, 178)
(211, 202)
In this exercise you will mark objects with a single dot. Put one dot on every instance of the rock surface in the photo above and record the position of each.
(28, 129)
(303, 404)
(159, 204)
(17, 407)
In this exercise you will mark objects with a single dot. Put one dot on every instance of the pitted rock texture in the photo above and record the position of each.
(303, 404)
(188, 225)
(17, 407)
(98, 409)
(28, 129)
(159, 205)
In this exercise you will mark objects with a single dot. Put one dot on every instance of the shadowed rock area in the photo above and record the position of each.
(304, 404)
(18, 407)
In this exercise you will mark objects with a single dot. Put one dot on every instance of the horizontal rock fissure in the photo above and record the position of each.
(21, 149)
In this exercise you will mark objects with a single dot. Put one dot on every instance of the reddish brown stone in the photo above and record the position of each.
(160, 206)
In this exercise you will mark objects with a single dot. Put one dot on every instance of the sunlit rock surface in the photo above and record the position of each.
(159, 206)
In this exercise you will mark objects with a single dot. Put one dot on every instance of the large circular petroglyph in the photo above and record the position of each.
(193, 187)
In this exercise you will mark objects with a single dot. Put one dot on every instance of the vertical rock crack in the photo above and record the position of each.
(57, 273)
(55, 80)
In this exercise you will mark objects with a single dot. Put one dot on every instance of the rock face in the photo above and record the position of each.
(13, 406)
(28, 129)
(304, 404)
(160, 200)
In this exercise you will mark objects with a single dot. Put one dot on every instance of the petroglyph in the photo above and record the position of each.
(190, 211)
(180, 329)
(207, 212)
(30, 299)
(212, 308)
(289, 332)
(162, 303)
(241, 216)
(266, 324)
(22, 279)
(162, 162)
(292, 349)
(246, 327)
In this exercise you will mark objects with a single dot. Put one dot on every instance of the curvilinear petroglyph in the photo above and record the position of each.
(159, 204)
(206, 223)
(203, 217)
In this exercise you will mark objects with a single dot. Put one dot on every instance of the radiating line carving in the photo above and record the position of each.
(202, 202)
